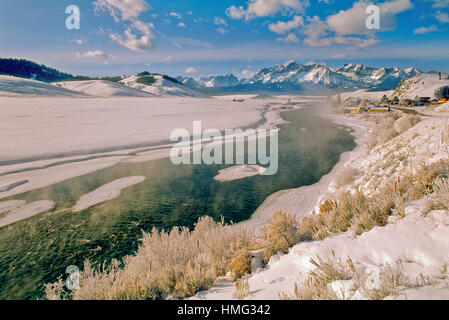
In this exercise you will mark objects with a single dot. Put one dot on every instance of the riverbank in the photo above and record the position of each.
(304, 200)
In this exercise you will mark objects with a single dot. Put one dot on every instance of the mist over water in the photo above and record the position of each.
(36, 251)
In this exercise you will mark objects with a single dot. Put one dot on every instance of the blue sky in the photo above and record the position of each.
(202, 37)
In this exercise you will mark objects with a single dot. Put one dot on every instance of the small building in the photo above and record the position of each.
(379, 109)
(354, 110)
(425, 100)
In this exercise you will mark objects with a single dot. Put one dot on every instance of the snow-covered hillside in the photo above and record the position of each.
(159, 86)
(103, 88)
(423, 85)
(13, 86)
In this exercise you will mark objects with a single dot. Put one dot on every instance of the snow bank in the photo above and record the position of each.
(13, 87)
(6, 206)
(103, 88)
(105, 193)
(26, 211)
(239, 172)
(11, 185)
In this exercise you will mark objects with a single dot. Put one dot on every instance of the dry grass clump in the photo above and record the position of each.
(387, 282)
(311, 289)
(405, 123)
(389, 127)
(413, 187)
(316, 286)
(346, 176)
(440, 198)
(241, 289)
(280, 233)
(241, 264)
(331, 269)
(180, 263)
(350, 210)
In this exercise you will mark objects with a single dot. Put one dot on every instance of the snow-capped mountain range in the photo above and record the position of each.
(292, 75)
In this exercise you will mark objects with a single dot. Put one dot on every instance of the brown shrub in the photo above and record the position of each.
(279, 234)
(241, 264)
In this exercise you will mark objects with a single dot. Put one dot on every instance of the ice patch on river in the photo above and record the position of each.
(106, 192)
(18, 210)
(239, 172)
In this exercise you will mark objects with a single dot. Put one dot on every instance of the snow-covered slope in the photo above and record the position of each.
(103, 88)
(159, 86)
(423, 85)
(13, 86)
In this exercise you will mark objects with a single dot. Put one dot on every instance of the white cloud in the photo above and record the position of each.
(353, 20)
(220, 21)
(340, 56)
(132, 41)
(356, 42)
(222, 30)
(284, 27)
(122, 9)
(182, 25)
(264, 8)
(290, 38)
(93, 54)
(442, 17)
(440, 3)
(235, 12)
(138, 36)
(424, 30)
(190, 70)
(316, 33)
(176, 15)
(79, 41)
(181, 42)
